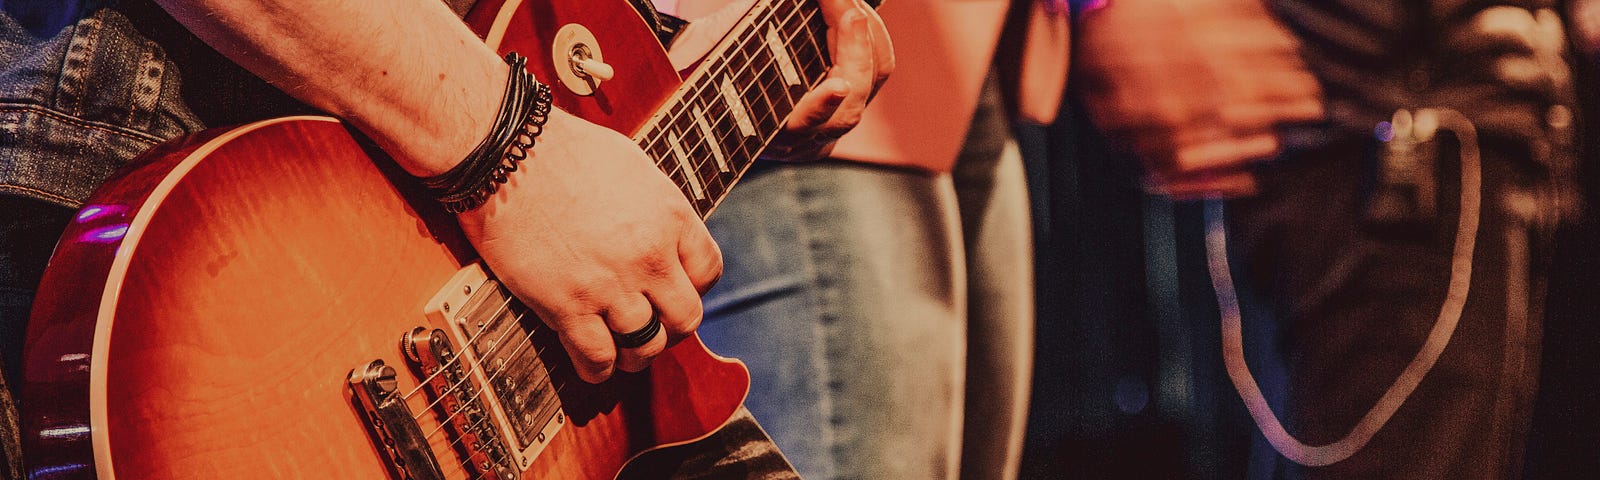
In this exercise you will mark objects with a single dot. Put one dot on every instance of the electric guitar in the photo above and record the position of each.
(278, 300)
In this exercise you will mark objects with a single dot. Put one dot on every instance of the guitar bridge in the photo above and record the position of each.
(403, 442)
(450, 388)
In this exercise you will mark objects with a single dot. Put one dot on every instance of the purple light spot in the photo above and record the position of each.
(93, 212)
(60, 471)
(90, 212)
(1384, 131)
(105, 234)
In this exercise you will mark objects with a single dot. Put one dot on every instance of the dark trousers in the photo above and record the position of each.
(28, 232)
(1337, 305)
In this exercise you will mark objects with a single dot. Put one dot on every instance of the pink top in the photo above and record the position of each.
(943, 50)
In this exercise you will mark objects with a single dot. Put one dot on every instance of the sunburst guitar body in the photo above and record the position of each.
(276, 300)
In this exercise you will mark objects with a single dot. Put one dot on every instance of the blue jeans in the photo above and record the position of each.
(886, 314)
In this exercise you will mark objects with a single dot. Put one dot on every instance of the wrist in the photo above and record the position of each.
(431, 137)
(519, 120)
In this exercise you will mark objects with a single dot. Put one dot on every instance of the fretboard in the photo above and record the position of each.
(711, 130)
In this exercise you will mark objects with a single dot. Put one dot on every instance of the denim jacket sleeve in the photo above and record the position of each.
(86, 85)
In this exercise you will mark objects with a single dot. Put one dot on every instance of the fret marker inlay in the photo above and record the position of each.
(741, 115)
(708, 136)
(780, 53)
(688, 170)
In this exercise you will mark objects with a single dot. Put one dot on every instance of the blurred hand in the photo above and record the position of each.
(1524, 51)
(1196, 88)
(596, 240)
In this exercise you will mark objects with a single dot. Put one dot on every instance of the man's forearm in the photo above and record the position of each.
(407, 73)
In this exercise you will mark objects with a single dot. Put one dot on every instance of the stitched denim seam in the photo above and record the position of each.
(78, 63)
(147, 86)
(4, 187)
(808, 200)
(79, 122)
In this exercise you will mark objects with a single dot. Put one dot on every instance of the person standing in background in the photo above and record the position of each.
(1406, 297)
(883, 298)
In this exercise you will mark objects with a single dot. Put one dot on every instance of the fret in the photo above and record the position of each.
(803, 41)
(715, 126)
(779, 50)
(763, 106)
(698, 149)
(662, 150)
(703, 173)
(707, 135)
(691, 175)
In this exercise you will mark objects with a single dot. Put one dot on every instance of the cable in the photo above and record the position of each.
(1420, 128)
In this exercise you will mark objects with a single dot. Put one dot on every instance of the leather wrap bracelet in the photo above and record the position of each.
(523, 111)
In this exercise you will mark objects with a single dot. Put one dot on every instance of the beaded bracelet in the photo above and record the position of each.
(523, 112)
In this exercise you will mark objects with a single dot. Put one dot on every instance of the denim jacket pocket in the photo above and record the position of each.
(80, 100)
(58, 158)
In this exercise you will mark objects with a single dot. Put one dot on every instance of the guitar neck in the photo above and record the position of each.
(712, 128)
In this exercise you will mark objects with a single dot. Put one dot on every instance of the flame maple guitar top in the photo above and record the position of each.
(200, 316)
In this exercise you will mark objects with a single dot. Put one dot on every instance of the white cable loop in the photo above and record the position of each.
(1443, 328)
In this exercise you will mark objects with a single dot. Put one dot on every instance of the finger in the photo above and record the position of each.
(1226, 152)
(1524, 74)
(1276, 83)
(1211, 185)
(679, 306)
(1247, 116)
(1500, 28)
(818, 105)
(701, 258)
(833, 10)
(883, 61)
(630, 316)
(589, 344)
(852, 56)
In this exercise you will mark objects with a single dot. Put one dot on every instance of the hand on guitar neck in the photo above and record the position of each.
(588, 233)
(863, 58)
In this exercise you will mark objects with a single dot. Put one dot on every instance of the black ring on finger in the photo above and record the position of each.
(642, 336)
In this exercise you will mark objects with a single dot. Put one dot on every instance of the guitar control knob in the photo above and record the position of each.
(592, 68)
(579, 64)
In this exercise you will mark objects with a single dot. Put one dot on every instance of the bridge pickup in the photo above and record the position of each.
(496, 345)
(404, 445)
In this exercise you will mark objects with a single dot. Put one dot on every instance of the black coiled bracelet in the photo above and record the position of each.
(523, 112)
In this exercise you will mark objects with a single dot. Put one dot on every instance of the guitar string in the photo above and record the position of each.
(543, 407)
(489, 383)
(739, 151)
(660, 133)
(693, 94)
(476, 393)
(745, 42)
(477, 366)
(759, 86)
(474, 425)
(758, 72)
(454, 358)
